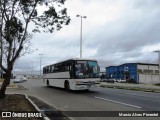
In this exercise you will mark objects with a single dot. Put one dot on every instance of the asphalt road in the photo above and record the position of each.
(97, 99)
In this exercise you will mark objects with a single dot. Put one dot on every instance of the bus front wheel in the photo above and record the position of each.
(67, 87)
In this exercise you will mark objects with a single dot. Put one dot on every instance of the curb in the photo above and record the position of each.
(35, 106)
(44, 117)
(49, 105)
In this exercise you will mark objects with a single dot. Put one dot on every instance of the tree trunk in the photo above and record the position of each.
(4, 84)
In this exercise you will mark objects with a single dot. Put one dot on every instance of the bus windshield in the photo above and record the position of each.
(87, 69)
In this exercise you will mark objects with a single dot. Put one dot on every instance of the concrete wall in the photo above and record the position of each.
(148, 73)
(144, 68)
(145, 78)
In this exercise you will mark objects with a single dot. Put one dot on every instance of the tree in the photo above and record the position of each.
(16, 15)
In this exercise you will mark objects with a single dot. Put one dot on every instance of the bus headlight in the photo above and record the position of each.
(79, 82)
(97, 81)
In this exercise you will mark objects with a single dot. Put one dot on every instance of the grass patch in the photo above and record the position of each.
(1, 80)
(148, 90)
(12, 85)
(131, 88)
(119, 87)
(157, 91)
(102, 86)
(158, 84)
(110, 86)
(135, 89)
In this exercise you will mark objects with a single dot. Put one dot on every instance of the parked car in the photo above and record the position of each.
(121, 81)
(115, 80)
(131, 81)
(108, 80)
(24, 79)
(18, 80)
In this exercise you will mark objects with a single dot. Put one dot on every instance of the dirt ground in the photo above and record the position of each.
(16, 103)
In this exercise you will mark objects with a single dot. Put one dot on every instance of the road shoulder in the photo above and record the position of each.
(135, 87)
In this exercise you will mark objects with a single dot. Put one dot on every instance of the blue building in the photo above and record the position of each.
(135, 72)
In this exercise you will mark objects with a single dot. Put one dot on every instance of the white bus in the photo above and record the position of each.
(72, 74)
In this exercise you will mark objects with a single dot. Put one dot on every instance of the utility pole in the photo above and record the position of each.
(158, 51)
(81, 34)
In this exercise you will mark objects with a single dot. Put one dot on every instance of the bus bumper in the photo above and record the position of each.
(86, 86)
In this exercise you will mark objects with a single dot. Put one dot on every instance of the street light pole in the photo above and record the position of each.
(81, 34)
(40, 62)
(158, 51)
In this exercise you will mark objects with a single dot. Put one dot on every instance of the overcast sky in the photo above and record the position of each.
(114, 32)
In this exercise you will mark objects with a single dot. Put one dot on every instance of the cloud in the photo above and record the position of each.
(128, 34)
(114, 32)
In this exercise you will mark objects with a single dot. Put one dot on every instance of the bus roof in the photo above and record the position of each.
(81, 59)
(76, 59)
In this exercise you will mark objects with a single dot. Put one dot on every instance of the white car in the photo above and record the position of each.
(18, 80)
(115, 80)
(108, 80)
(24, 79)
(121, 81)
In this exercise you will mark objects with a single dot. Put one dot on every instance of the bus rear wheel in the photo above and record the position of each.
(47, 83)
(67, 87)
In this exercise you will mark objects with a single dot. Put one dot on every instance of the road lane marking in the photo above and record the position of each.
(118, 102)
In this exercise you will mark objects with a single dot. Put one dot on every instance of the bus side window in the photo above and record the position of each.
(43, 70)
(52, 68)
(59, 68)
(56, 68)
(63, 67)
(71, 67)
(67, 66)
(47, 69)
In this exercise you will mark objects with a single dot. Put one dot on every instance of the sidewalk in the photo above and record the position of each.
(49, 112)
(129, 86)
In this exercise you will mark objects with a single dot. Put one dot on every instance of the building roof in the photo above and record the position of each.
(135, 63)
(141, 63)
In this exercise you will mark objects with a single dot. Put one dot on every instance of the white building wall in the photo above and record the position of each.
(142, 67)
(155, 79)
(144, 78)
(152, 67)
(148, 77)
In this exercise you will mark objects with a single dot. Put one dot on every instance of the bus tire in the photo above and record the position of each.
(87, 90)
(47, 83)
(66, 85)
